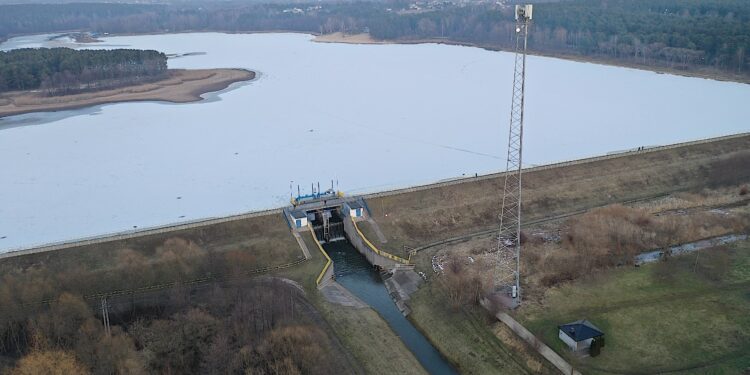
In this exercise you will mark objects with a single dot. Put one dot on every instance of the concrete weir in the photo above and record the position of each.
(332, 218)
(335, 219)
(363, 245)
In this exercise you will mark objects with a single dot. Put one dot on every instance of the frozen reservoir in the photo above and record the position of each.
(372, 117)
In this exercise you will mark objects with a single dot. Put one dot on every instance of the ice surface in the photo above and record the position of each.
(371, 116)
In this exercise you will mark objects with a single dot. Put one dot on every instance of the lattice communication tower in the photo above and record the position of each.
(506, 274)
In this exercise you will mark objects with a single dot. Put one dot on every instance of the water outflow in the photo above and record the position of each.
(359, 277)
(328, 226)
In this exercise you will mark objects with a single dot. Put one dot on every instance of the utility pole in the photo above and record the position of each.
(507, 267)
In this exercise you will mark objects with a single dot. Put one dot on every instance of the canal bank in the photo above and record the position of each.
(353, 271)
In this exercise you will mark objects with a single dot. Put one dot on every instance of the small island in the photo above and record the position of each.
(36, 80)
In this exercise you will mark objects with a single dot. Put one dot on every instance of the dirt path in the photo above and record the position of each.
(182, 86)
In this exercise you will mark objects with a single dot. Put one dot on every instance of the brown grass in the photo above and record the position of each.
(728, 169)
(422, 217)
(465, 283)
(613, 235)
(600, 239)
(219, 250)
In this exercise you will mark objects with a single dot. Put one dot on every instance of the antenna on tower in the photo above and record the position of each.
(507, 266)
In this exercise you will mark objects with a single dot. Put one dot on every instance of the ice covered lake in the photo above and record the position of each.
(372, 117)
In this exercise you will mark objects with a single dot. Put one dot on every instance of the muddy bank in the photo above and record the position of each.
(182, 86)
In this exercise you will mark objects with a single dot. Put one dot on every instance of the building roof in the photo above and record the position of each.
(354, 205)
(299, 214)
(581, 330)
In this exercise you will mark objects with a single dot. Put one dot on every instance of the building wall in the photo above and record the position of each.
(572, 344)
(586, 343)
(567, 340)
(303, 222)
(353, 211)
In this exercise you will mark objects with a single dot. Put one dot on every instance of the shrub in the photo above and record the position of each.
(743, 190)
(464, 284)
(729, 170)
(49, 362)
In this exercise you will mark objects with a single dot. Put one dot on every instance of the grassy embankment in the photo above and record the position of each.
(470, 339)
(414, 219)
(149, 270)
(426, 216)
(422, 217)
(580, 263)
(467, 336)
(367, 337)
(690, 314)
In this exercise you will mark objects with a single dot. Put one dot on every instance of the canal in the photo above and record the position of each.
(357, 275)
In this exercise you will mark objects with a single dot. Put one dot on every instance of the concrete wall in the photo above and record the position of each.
(359, 244)
(327, 273)
(535, 343)
(572, 344)
(327, 276)
(567, 340)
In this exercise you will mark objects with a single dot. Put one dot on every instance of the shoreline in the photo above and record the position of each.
(364, 38)
(181, 86)
(207, 221)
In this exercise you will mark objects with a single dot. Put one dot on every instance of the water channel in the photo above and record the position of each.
(359, 277)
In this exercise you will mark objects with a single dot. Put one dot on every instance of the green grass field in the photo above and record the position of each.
(364, 334)
(465, 336)
(690, 314)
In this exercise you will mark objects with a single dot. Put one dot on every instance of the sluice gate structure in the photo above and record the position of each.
(331, 217)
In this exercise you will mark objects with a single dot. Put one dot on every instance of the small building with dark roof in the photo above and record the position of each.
(580, 334)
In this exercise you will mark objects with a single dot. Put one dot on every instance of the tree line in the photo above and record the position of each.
(65, 71)
(233, 324)
(680, 34)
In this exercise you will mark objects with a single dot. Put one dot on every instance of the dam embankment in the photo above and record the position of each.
(419, 215)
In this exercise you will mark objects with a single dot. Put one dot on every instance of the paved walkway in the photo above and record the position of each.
(378, 232)
(535, 343)
(302, 245)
